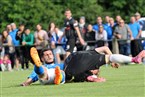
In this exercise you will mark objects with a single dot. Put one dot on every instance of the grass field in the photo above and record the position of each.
(127, 81)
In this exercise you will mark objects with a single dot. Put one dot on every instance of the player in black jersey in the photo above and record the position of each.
(71, 32)
(82, 65)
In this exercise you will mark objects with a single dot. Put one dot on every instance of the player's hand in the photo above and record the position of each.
(115, 65)
(82, 41)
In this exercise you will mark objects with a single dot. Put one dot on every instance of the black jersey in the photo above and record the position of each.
(83, 61)
(69, 28)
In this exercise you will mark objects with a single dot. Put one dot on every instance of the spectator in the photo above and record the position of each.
(9, 48)
(83, 30)
(101, 37)
(82, 26)
(121, 32)
(9, 28)
(106, 27)
(13, 34)
(5, 63)
(112, 26)
(16, 43)
(51, 29)
(70, 32)
(27, 42)
(58, 49)
(90, 36)
(118, 18)
(19, 49)
(41, 38)
(140, 22)
(107, 19)
(136, 32)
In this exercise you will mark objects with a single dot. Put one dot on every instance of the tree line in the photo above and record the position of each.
(32, 12)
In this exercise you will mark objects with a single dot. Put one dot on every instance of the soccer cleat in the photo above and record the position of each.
(94, 79)
(139, 57)
(58, 76)
(35, 56)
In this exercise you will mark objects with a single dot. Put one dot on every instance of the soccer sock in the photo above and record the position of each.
(39, 70)
(118, 58)
(63, 77)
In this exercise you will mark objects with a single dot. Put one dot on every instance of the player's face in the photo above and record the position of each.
(48, 56)
(67, 14)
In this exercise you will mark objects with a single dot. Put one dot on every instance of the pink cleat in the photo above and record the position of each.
(139, 57)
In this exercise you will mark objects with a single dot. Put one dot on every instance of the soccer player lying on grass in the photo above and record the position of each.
(48, 73)
(84, 65)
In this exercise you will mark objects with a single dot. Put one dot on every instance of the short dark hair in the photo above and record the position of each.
(67, 9)
(43, 50)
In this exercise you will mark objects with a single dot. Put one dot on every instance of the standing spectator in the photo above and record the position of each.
(71, 32)
(118, 18)
(19, 49)
(140, 22)
(27, 42)
(106, 27)
(83, 30)
(16, 43)
(112, 26)
(101, 37)
(136, 32)
(90, 36)
(9, 28)
(121, 32)
(13, 34)
(8, 46)
(41, 38)
(107, 18)
(82, 26)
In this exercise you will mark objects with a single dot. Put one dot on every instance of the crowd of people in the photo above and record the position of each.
(76, 35)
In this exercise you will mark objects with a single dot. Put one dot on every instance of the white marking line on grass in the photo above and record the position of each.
(1, 84)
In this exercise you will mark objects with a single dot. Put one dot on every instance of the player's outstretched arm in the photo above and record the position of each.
(27, 82)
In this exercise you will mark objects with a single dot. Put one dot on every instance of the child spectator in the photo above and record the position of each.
(5, 63)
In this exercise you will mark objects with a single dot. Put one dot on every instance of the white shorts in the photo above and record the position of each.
(51, 77)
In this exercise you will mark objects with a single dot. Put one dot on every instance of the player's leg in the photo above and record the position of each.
(104, 49)
(118, 58)
(38, 68)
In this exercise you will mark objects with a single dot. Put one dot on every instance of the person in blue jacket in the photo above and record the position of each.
(47, 72)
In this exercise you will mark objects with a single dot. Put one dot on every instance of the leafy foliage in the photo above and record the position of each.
(32, 12)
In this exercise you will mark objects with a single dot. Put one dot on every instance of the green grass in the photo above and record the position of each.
(127, 81)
